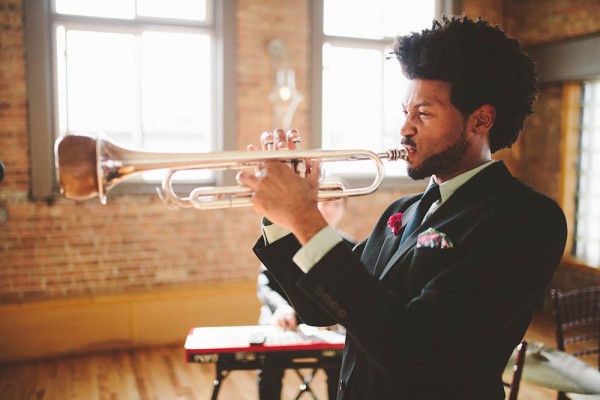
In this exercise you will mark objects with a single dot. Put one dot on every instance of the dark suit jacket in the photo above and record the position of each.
(272, 296)
(433, 323)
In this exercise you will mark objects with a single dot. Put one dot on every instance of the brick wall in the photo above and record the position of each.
(491, 10)
(134, 243)
(64, 249)
(258, 22)
(13, 122)
(543, 21)
(539, 21)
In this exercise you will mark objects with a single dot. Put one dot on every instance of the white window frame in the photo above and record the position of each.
(42, 95)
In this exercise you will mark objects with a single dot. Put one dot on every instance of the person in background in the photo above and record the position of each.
(276, 309)
(435, 300)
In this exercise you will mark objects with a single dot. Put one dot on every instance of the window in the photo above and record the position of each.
(149, 74)
(575, 65)
(147, 87)
(359, 90)
(587, 217)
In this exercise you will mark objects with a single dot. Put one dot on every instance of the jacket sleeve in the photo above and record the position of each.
(277, 257)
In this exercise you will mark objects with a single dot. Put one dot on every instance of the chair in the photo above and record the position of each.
(577, 316)
(517, 368)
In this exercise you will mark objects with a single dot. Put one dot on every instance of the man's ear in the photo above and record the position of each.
(484, 118)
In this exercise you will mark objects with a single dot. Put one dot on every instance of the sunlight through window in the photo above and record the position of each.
(147, 86)
(361, 90)
(587, 230)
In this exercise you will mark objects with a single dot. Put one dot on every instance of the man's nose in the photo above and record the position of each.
(407, 128)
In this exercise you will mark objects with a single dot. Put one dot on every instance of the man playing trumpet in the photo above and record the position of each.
(437, 297)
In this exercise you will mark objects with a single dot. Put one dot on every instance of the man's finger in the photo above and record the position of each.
(293, 139)
(280, 139)
(314, 170)
(247, 179)
(266, 141)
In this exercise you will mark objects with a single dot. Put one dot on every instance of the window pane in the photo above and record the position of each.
(587, 231)
(362, 92)
(353, 18)
(124, 9)
(176, 91)
(361, 104)
(376, 19)
(144, 86)
(403, 17)
(352, 109)
(178, 9)
(394, 87)
(100, 82)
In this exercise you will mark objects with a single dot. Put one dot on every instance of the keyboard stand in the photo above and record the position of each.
(221, 374)
(305, 385)
(229, 349)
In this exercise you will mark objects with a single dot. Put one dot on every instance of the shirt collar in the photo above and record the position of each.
(448, 188)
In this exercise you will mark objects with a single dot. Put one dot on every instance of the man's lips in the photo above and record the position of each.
(410, 149)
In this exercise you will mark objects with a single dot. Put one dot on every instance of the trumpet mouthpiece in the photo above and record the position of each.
(76, 162)
(397, 154)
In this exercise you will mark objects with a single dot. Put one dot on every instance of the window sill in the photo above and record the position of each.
(579, 264)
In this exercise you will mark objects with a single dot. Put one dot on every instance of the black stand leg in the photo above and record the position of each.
(220, 377)
(305, 385)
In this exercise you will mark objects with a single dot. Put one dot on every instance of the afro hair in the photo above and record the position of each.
(483, 65)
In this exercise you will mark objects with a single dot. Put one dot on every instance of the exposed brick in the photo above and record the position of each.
(134, 243)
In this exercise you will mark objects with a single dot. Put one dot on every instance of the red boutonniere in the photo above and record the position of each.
(395, 222)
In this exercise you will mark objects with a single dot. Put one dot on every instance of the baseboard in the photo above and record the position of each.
(53, 328)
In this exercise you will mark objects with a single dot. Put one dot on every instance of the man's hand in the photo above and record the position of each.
(283, 196)
(285, 317)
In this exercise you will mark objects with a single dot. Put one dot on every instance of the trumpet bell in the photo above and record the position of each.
(77, 164)
(89, 166)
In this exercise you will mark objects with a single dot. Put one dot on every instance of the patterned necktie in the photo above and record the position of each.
(431, 195)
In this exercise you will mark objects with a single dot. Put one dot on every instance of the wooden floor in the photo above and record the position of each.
(163, 374)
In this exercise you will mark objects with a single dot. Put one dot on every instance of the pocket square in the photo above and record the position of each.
(434, 239)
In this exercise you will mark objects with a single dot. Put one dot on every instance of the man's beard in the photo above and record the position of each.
(442, 162)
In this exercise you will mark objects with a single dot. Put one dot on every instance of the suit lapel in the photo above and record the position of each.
(491, 179)
(412, 239)
(391, 242)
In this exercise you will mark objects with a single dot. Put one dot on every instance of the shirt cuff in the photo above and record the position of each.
(319, 245)
(272, 232)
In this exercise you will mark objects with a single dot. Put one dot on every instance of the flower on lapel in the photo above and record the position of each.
(395, 222)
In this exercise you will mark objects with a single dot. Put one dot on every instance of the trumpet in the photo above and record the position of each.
(90, 166)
